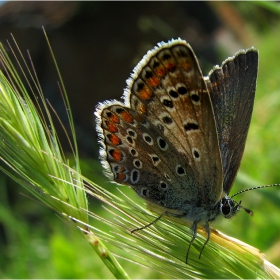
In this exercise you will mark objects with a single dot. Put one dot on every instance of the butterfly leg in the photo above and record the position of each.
(207, 229)
(158, 218)
(194, 229)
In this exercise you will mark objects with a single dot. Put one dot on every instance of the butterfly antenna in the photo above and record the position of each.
(255, 188)
(250, 189)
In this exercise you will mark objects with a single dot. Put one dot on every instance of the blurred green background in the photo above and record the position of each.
(97, 44)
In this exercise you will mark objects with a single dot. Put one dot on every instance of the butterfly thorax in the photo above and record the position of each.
(204, 213)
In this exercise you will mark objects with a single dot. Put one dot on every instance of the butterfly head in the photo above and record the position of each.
(229, 207)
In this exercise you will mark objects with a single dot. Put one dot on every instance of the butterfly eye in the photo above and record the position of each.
(225, 209)
(228, 207)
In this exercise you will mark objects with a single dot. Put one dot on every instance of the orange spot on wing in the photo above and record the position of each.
(153, 81)
(186, 65)
(145, 93)
(116, 154)
(142, 110)
(126, 116)
(114, 139)
(160, 71)
(120, 177)
(111, 127)
(170, 66)
(122, 169)
(114, 118)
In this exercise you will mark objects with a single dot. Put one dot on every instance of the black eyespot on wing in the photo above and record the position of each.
(140, 86)
(196, 154)
(163, 186)
(109, 114)
(131, 133)
(148, 74)
(167, 120)
(195, 97)
(137, 163)
(167, 103)
(155, 159)
(148, 138)
(166, 56)
(190, 126)
(156, 64)
(162, 143)
(180, 170)
(129, 139)
(173, 93)
(133, 152)
(120, 110)
(135, 175)
(182, 90)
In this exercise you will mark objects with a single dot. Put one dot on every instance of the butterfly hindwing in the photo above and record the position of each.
(232, 90)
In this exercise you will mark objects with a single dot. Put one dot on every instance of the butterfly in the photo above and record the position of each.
(179, 137)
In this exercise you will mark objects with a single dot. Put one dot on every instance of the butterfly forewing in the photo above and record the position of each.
(168, 90)
(232, 89)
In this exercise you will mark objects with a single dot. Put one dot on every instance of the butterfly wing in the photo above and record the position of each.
(167, 88)
(163, 140)
(232, 90)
